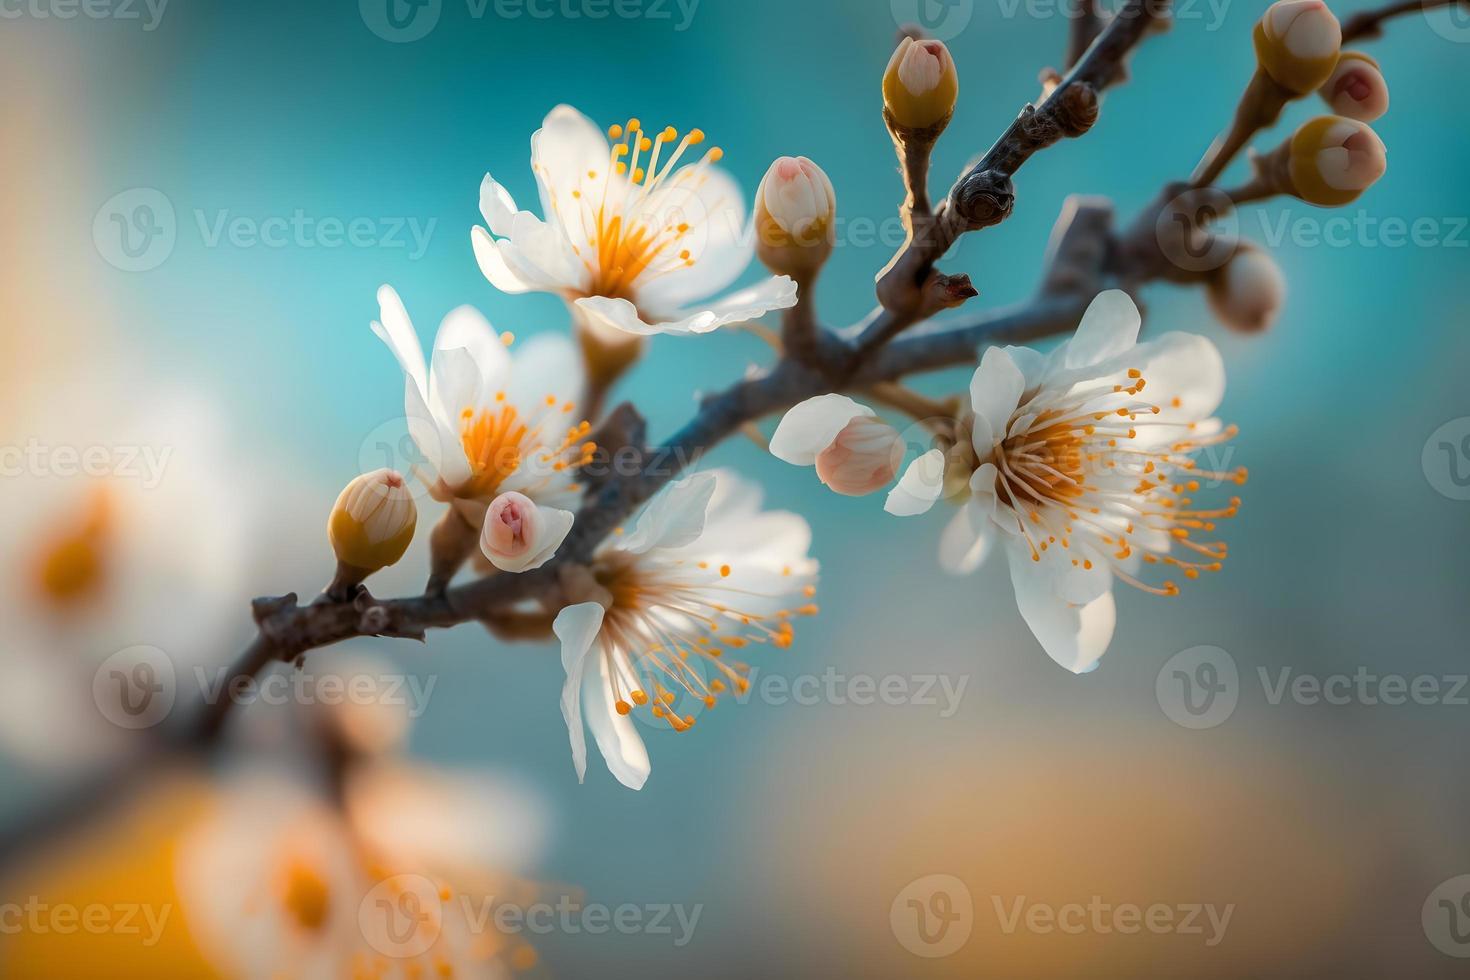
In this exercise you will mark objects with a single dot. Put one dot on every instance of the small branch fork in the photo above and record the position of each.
(1084, 257)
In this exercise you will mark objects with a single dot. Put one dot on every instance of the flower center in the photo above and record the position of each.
(1098, 467)
(497, 441)
(669, 620)
(306, 896)
(71, 566)
(639, 219)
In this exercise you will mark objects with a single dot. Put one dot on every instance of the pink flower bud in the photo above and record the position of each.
(1357, 88)
(1333, 160)
(864, 457)
(518, 535)
(1248, 292)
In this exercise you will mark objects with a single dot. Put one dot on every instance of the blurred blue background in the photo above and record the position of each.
(795, 826)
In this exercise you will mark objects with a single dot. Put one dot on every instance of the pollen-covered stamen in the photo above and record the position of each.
(71, 564)
(499, 441)
(1098, 473)
(633, 226)
(672, 624)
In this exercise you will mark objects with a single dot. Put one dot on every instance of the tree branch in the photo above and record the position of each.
(1084, 256)
(983, 195)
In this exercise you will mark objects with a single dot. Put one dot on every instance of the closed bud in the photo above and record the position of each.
(1332, 160)
(795, 210)
(921, 84)
(1297, 42)
(854, 452)
(1248, 292)
(518, 535)
(370, 528)
(1357, 88)
(373, 522)
(863, 458)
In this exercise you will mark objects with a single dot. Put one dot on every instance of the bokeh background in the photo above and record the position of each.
(794, 827)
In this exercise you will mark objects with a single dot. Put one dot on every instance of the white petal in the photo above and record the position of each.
(920, 486)
(454, 385)
(1032, 364)
(577, 627)
(673, 518)
(396, 330)
(778, 292)
(1074, 636)
(617, 738)
(810, 427)
(1109, 327)
(467, 328)
(1184, 366)
(490, 254)
(546, 364)
(966, 541)
(436, 439)
(498, 207)
(566, 147)
(996, 388)
(720, 246)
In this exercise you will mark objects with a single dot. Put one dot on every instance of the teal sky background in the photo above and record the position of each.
(1344, 554)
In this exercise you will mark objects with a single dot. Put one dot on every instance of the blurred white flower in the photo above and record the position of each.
(1085, 476)
(127, 528)
(486, 421)
(277, 882)
(704, 571)
(638, 243)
